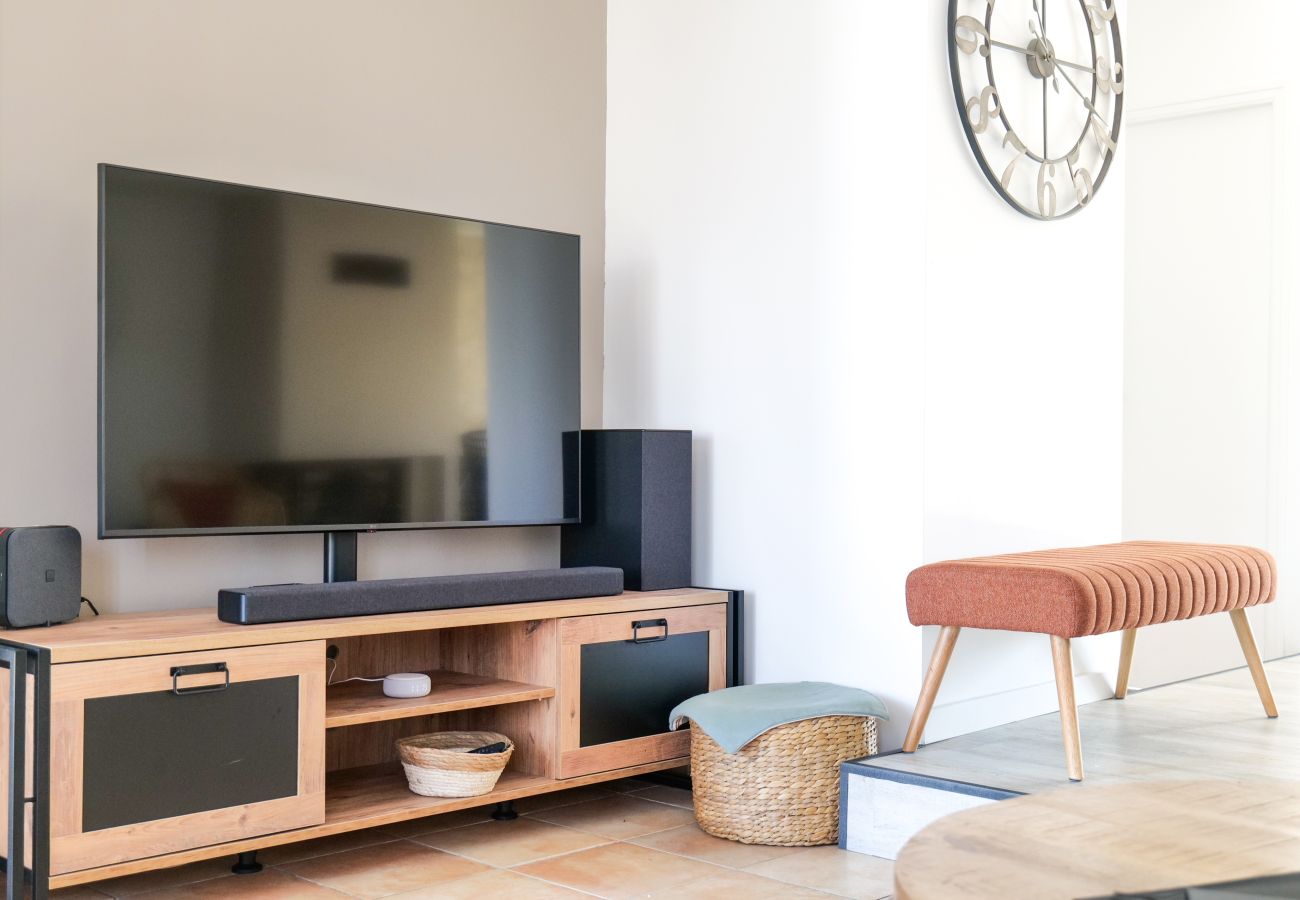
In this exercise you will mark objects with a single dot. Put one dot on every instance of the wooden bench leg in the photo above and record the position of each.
(1125, 663)
(930, 687)
(1069, 712)
(1247, 639)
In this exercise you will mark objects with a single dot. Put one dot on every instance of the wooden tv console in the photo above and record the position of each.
(156, 739)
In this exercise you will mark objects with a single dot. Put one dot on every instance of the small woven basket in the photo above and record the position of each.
(440, 764)
(783, 787)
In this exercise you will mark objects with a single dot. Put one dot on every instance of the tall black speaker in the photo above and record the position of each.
(636, 507)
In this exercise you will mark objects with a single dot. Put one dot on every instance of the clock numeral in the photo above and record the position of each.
(1104, 140)
(1081, 178)
(988, 106)
(971, 44)
(1108, 81)
(1020, 149)
(1099, 14)
(1046, 190)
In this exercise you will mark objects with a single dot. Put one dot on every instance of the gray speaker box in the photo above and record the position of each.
(40, 575)
(636, 507)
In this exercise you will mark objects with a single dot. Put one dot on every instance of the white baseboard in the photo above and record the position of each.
(977, 713)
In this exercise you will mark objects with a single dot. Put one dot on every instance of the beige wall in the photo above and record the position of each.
(491, 110)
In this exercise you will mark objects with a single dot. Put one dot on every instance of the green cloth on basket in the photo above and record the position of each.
(735, 716)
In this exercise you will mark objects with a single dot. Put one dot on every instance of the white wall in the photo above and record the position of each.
(1023, 394)
(882, 362)
(485, 110)
(764, 257)
(1215, 139)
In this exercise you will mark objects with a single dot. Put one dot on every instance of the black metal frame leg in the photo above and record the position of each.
(21, 881)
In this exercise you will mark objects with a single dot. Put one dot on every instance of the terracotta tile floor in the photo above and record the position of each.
(624, 839)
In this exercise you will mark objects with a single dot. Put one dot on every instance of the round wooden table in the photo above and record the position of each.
(1087, 841)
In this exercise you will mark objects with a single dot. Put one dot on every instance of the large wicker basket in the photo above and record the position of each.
(440, 764)
(781, 788)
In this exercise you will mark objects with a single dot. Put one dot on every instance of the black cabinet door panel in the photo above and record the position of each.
(628, 689)
(155, 755)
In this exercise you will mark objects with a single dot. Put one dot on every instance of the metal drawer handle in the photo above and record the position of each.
(649, 623)
(179, 671)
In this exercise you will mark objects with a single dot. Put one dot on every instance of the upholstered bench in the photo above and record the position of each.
(1080, 591)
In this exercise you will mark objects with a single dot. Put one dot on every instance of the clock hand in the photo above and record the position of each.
(1027, 52)
(1103, 135)
(1086, 101)
(1041, 34)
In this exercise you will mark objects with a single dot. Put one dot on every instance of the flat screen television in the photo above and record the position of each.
(277, 362)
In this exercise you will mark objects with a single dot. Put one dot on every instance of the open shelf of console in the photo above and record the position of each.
(379, 794)
(361, 702)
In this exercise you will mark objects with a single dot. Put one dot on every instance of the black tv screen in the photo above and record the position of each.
(272, 361)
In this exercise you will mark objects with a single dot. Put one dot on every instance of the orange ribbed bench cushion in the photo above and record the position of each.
(1091, 590)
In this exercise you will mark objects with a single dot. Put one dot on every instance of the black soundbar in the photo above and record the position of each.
(296, 602)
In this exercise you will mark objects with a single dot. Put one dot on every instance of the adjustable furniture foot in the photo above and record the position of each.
(247, 864)
(505, 811)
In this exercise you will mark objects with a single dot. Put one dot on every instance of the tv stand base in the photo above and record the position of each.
(528, 670)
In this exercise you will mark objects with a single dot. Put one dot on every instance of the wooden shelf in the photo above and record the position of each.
(380, 794)
(359, 702)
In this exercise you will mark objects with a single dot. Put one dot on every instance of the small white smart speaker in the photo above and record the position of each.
(407, 684)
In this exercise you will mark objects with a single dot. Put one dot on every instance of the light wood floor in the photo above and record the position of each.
(1210, 727)
(624, 839)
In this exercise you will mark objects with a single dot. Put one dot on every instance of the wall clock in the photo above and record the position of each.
(1039, 86)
